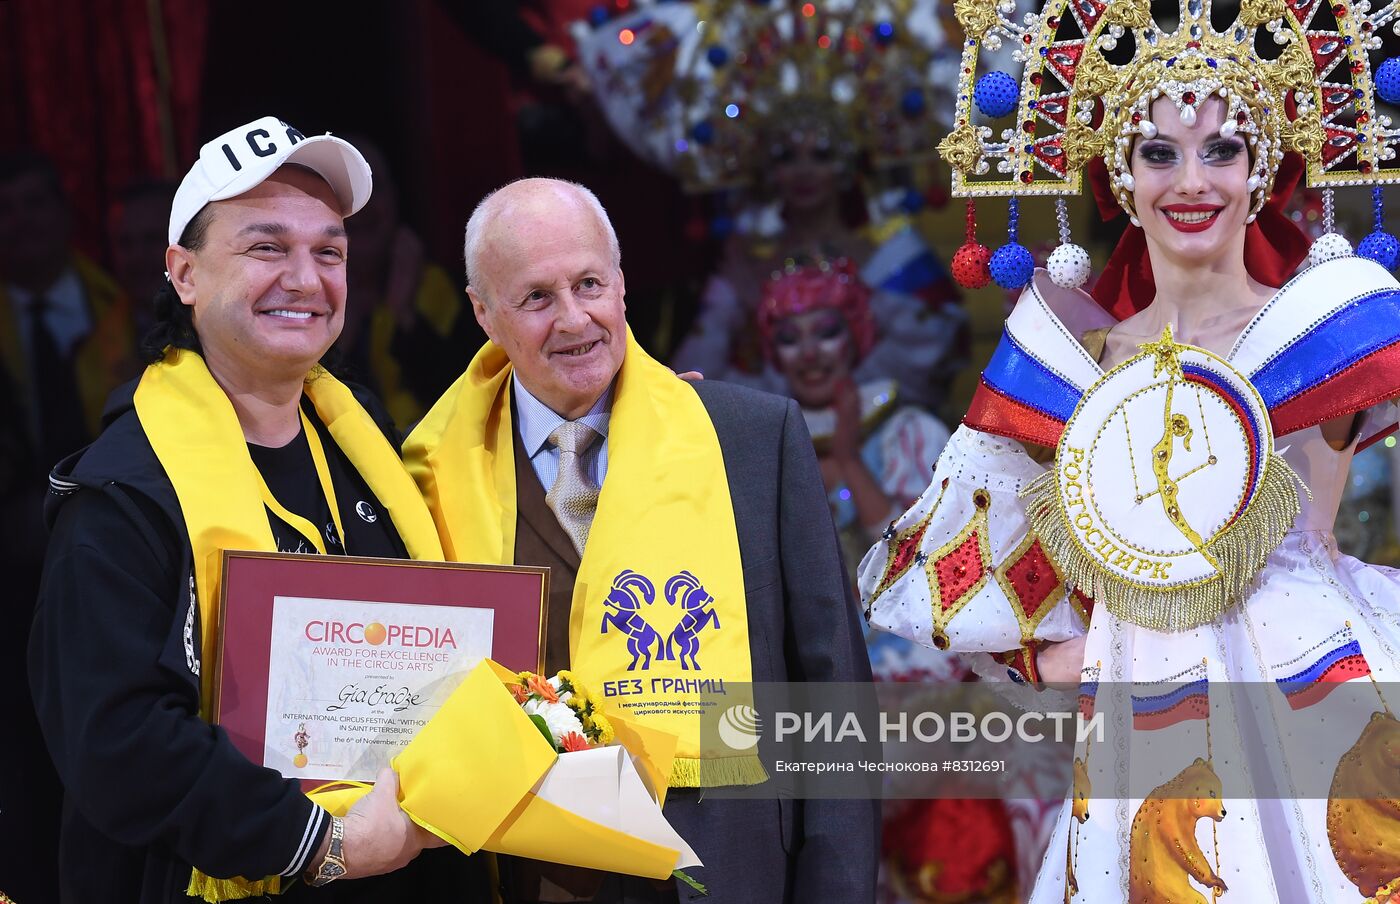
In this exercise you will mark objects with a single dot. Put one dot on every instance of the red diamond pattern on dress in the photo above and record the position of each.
(959, 572)
(902, 552)
(1032, 581)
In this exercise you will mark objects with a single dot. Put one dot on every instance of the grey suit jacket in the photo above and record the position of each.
(803, 626)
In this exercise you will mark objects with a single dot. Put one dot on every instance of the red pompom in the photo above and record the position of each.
(970, 265)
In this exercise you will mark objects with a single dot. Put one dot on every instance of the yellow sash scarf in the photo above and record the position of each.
(642, 626)
(196, 436)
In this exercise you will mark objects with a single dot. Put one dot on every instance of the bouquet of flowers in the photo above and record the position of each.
(564, 712)
(571, 721)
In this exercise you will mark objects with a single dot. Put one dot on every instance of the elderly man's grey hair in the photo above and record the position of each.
(493, 204)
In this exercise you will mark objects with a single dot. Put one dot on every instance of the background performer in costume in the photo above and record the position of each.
(807, 126)
(1168, 554)
(873, 448)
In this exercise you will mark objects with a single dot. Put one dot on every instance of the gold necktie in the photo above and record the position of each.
(573, 498)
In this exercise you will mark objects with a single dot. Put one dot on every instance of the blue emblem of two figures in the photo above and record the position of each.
(632, 591)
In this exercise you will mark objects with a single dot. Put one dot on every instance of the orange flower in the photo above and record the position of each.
(541, 688)
(573, 741)
(518, 692)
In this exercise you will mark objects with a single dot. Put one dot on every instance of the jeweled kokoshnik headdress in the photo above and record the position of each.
(1167, 494)
(706, 89)
(1295, 75)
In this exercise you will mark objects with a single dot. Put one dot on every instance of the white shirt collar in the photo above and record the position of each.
(537, 420)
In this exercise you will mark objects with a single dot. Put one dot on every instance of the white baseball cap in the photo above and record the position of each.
(242, 158)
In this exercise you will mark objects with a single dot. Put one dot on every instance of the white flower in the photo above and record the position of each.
(558, 718)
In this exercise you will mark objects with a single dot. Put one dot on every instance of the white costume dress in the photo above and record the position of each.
(1248, 785)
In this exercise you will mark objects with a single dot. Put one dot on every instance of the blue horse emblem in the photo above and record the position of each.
(686, 590)
(631, 591)
(624, 602)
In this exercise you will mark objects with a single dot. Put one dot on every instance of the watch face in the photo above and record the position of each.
(330, 871)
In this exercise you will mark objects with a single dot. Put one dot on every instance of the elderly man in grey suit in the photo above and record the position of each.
(607, 452)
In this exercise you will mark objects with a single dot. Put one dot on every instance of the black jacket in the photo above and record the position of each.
(114, 667)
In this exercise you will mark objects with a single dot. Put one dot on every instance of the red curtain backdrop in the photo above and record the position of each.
(459, 101)
(109, 91)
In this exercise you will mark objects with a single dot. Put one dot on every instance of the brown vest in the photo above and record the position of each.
(539, 540)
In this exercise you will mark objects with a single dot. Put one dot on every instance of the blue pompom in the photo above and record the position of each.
(721, 226)
(1380, 247)
(598, 15)
(717, 56)
(1387, 80)
(912, 202)
(1012, 266)
(884, 33)
(912, 103)
(996, 94)
(703, 132)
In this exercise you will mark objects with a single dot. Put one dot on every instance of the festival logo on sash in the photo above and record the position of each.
(630, 599)
(1166, 496)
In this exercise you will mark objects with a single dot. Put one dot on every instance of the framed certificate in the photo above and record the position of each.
(328, 665)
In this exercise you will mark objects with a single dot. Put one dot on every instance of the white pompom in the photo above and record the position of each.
(1069, 266)
(1328, 247)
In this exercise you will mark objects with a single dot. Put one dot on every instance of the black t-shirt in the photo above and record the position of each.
(290, 473)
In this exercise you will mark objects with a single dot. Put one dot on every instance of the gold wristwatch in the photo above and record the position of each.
(333, 866)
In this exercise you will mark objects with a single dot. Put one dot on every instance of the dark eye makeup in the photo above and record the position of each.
(1221, 150)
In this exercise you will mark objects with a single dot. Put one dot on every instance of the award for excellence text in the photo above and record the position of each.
(352, 682)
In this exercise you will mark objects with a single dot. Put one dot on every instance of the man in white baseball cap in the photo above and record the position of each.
(222, 444)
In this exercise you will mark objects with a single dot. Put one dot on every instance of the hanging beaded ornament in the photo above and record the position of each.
(971, 261)
(1331, 244)
(1380, 246)
(1012, 265)
(1068, 264)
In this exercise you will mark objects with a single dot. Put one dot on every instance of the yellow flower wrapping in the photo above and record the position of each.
(664, 511)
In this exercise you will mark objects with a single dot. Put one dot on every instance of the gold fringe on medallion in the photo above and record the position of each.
(1240, 550)
(717, 772)
(213, 890)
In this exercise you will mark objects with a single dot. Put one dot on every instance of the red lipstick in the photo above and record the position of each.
(1201, 226)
